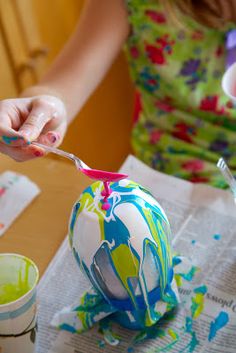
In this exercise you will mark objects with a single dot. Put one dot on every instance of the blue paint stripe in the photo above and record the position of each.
(13, 314)
(67, 328)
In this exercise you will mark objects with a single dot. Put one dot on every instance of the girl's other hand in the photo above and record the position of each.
(41, 118)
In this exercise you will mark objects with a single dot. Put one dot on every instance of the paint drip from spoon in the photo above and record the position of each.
(106, 178)
(106, 192)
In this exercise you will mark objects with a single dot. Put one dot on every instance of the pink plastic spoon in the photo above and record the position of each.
(94, 174)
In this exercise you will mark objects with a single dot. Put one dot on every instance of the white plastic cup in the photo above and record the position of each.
(229, 82)
(18, 280)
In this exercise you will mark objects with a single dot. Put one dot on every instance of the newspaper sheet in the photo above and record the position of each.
(203, 222)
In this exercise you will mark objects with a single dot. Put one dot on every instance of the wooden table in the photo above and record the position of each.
(39, 230)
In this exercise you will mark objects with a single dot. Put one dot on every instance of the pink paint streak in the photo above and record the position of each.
(106, 193)
(106, 178)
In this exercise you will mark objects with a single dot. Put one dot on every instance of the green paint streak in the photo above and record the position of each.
(86, 201)
(172, 334)
(198, 301)
(92, 304)
(163, 246)
(197, 305)
(126, 265)
(9, 292)
(179, 280)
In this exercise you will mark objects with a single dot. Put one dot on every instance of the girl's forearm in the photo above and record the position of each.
(86, 58)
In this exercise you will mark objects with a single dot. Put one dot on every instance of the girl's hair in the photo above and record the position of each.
(205, 12)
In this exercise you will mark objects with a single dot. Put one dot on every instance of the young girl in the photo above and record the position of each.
(177, 55)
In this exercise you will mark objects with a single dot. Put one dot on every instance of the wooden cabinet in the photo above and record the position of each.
(22, 53)
(32, 32)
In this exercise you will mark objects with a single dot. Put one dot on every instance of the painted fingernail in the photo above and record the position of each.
(38, 154)
(52, 137)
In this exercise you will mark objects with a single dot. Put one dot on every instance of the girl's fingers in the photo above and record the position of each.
(22, 121)
(9, 124)
(40, 114)
(10, 137)
(53, 137)
(21, 154)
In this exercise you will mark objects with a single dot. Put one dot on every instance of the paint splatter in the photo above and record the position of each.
(101, 344)
(162, 329)
(160, 333)
(220, 321)
(152, 332)
(193, 242)
(188, 324)
(172, 334)
(217, 236)
(187, 276)
(9, 139)
(198, 301)
(176, 260)
(192, 344)
(202, 290)
(67, 327)
(106, 329)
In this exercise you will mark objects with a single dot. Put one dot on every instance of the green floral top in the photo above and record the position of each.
(184, 121)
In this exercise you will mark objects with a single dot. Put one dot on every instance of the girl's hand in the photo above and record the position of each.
(41, 118)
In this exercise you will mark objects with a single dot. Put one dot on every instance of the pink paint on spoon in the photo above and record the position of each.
(102, 175)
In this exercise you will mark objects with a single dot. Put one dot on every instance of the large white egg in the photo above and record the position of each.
(125, 251)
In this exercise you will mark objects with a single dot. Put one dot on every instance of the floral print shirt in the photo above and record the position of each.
(184, 121)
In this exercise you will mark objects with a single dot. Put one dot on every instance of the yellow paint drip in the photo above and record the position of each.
(126, 264)
(172, 334)
(179, 280)
(197, 305)
(10, 292)
(161, 240)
